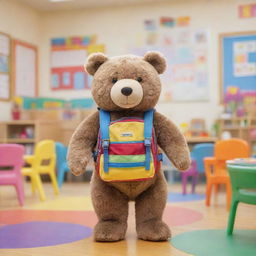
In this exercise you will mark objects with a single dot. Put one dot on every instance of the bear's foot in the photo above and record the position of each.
(153, 230)
(109, 231)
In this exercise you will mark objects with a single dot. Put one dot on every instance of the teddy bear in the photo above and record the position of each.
(127, 86)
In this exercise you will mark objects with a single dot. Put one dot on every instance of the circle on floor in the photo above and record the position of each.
(179, 197)
(41, 233)
(86, 218)
(216, 242)
(178, 216)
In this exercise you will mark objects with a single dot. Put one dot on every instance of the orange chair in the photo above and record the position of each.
(215, 167)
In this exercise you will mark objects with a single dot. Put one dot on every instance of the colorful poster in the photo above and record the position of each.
(247, 11)
(186, 52)
(67, 62)
(5, 85)
(244, 58)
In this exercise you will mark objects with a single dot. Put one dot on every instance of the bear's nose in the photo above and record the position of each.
(126, 91)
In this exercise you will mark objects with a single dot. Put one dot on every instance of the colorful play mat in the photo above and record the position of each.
(214, 242)
(25, 228)
(179, 197)
(41, 233)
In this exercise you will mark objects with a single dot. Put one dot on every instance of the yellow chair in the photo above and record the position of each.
(42, 162)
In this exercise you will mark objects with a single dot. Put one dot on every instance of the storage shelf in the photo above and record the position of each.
(20, 140)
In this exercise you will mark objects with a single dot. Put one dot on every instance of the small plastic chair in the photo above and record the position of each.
(242, 179)
(199, 152)
(215, 167)
(11, 156)
(61, 163)
(42, 162)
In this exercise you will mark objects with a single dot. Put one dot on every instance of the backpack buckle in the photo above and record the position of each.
(147, 142)
(105, 144)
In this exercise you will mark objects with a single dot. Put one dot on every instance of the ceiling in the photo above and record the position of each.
(47, 5)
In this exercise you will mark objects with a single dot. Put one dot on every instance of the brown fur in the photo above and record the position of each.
(110, 200)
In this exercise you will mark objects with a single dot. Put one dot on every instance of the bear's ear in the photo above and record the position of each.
(94, 61)
(157, 60)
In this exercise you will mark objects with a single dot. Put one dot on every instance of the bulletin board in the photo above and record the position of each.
(238, 63)
(25, 69)
(186, 78)
(68, 55)
(5, 72)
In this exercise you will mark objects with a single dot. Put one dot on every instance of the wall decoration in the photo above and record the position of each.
(5, 55)
(67, 60)
(150, 25)
(53, 103)
(238, 67)
(24, 69)
(170, 22)
(186, 51)
(183, 21)
(247, 11)
(167, 22)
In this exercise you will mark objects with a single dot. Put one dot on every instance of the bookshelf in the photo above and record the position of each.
(28, 132)
(239, 127)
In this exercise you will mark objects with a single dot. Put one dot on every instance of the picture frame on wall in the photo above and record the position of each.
(237, 67)
(5, 67)
(24, 69)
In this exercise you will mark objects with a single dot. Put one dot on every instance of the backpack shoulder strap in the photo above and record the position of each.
(148, 125)
(104, 130)
(104, 124)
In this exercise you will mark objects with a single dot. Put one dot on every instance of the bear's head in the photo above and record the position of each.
(126, 82)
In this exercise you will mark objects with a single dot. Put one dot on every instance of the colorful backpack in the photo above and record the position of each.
(127, 148)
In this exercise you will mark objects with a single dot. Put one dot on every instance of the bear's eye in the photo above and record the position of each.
(139, 79)
(114, 80)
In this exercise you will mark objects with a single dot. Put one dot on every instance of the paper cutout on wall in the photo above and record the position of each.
(247, 11)
(186, 52)
(244, 58)
(67, 60)
(150, 25)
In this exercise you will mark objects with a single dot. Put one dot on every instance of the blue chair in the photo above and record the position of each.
(61, 162)
(199, 152)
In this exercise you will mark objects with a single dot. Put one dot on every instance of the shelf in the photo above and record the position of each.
(20, 140)
(200, 139)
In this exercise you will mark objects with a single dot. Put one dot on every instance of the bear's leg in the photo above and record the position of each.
(111, 207)
(149, 207)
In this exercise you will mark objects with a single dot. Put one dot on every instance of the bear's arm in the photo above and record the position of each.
(82, 143)
(171, 140)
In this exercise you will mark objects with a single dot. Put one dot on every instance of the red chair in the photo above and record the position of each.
(11, 158)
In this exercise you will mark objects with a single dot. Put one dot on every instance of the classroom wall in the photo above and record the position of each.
(23, 23)
(116, 26)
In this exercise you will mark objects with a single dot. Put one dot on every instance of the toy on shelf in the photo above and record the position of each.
(12, 155)
(68, 112)
(197, 127)
(16, 112)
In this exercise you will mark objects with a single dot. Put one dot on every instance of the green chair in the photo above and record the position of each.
(243, 180)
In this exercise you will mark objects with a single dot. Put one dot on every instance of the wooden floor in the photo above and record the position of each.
(214, 217)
